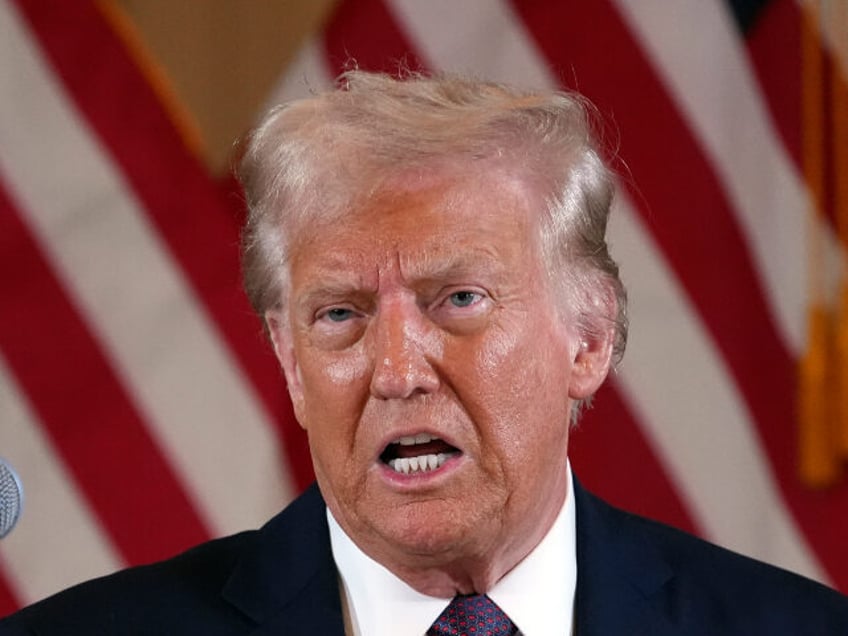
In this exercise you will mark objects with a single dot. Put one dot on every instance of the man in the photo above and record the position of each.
(429, 258)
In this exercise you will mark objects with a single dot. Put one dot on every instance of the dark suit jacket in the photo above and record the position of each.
(634, 577)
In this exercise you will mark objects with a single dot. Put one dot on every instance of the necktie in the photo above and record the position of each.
(475, 615)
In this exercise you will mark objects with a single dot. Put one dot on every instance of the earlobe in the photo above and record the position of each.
(592, 355)
(593, 350)
(590, 365)
(281, 340)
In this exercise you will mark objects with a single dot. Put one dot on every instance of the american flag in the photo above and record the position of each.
(145, 413)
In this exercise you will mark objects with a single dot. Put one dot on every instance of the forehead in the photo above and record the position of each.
(426, 221)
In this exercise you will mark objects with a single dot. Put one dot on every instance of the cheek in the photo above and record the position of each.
(498, 349)
(350, 369)
(325, 374)
(523, 359)
(526, 375)
(333, 388)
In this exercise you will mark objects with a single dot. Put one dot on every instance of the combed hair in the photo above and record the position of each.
(311, 159)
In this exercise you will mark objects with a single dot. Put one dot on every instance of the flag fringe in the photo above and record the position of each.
(823, 371)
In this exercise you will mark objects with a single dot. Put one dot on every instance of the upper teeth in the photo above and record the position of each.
(421, 438)
(408, 465)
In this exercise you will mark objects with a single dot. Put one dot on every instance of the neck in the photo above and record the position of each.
(463, 569)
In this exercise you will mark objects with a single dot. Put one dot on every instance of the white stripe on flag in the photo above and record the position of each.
(203, 412)
(687, 404)
(58, 540)
(481, 37)
(727, 114)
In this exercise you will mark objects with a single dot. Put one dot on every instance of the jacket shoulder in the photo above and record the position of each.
(150, 599)
(695, 586)
(222, 587)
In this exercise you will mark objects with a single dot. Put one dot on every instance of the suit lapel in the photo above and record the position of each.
(287, 582)
(622, 579)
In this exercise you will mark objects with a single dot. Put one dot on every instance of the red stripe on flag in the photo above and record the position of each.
(682, 202)
(364, 31)
(774, 47)
(8, 600)
(198, 219)
(84, 409)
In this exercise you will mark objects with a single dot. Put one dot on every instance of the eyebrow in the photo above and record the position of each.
(330, 281)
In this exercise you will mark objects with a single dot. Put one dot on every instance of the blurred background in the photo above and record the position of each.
(138, 399)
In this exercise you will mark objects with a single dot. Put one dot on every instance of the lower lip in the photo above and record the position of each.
(421, 478)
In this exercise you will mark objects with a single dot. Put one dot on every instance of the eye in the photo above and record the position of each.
(338, 314)
(464, 298)
(335, 327)
(462, 310)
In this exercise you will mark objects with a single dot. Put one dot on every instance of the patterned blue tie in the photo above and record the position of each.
(475, 615)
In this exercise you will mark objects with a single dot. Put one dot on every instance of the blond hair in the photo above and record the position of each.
(309, 159)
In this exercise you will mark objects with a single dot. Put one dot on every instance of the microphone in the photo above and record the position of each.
(11, 498)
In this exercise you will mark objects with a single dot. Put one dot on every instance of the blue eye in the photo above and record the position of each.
(339, 314)
(463, 298)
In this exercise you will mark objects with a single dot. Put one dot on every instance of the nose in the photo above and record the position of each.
(404, 352)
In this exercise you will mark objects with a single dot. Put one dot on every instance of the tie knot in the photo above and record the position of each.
(472, 615)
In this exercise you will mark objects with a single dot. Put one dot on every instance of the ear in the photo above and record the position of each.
(592, 350)
(280, 332)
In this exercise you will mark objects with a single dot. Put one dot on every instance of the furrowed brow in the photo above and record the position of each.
(457, 265)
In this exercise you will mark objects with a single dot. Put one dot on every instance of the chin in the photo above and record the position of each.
(429, 529)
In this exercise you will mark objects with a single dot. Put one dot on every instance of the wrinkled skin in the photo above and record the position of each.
(427, 310)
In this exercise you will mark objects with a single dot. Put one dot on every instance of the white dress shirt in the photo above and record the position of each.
(537, 594)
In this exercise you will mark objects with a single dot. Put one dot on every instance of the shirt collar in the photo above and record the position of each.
(537, 594)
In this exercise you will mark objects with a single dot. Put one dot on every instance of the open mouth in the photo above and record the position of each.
(417, 454)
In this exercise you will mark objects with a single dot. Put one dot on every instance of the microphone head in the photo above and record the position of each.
(11, 498)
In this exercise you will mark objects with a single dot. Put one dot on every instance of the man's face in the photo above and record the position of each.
(432, 372)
